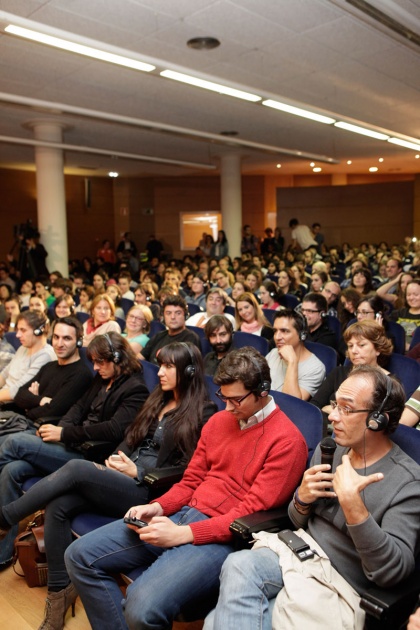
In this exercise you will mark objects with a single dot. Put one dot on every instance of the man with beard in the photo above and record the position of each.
(219, 332)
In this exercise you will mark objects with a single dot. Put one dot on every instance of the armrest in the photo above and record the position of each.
(96, 450)
(160, 480)
(391, 607)
(266, 520)
(162, 477)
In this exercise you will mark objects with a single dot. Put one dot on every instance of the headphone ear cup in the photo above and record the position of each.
(263, 389)
(303, 335)
(116, 357)
(377, 421)
(79, 343)
(189, 371)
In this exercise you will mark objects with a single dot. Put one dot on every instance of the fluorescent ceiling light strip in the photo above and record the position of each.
(209, 85)
(297, 111)
(362, 130)
(404, 143)
(79, 49)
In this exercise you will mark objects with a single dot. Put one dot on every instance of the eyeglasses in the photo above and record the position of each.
(308, 310)
(364, 312)
(135, 319)
(345, 411)
(235, 400)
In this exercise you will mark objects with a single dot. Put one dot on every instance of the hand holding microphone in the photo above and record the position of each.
(317, 480)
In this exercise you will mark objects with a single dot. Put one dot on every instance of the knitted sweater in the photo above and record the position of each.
(233, 473)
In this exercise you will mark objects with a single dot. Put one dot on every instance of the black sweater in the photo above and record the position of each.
(63, 383)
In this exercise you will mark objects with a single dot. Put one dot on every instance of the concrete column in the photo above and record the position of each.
(51, 196)
(231, 200)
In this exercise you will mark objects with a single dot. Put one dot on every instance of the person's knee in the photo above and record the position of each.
(237, 565)
(145, 614)
(74, 556)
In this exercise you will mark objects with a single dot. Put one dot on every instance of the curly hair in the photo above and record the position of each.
(373, 332)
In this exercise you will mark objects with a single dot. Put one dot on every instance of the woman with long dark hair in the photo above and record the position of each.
(164, 433)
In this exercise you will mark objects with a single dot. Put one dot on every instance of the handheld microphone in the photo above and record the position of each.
(328, 447)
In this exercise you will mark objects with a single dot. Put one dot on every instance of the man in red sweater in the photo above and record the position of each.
(250, 457)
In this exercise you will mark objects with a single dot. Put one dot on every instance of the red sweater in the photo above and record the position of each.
(233, 473)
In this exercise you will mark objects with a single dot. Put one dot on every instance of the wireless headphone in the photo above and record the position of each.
(40, 329)
(79, 342)
(378, 421)
(263, 386)
(189, 370)
(116, 356)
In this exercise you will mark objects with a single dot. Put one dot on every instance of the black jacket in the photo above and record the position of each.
(124, 399)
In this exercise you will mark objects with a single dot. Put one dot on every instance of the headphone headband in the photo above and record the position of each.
(116, 355)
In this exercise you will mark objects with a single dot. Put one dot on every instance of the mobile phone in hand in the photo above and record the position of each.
(132, 520)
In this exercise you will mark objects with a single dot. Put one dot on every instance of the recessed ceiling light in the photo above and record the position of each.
(417, 157)
(317, 169)
(312, 164)
(203, 43)
(113, 174)
(381, 160)
(278, 166)
(373, 169)
(349, 162)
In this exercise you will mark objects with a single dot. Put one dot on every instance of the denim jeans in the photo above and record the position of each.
(170, 578)
(249, 583)
(24, 455)
(79, 486)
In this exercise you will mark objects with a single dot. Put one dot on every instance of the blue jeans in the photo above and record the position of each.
(249, 583)
(24, 455)
(170, 577)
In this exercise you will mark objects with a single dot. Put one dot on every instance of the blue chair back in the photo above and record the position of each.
(193, 309)
(407, 370)
(121, 323)
(333, 324)
(270, 314)
(12, 339)
(150, 374)
(126, 304)
(82, 317)
(83, 356)
(212, 389)
(205, 346)
(398, 332)
(230, 310)
(415, 339)
(305, 416)
(241, 339)
(289, 301)
(408, 439)
(156, 327)
(327, 355)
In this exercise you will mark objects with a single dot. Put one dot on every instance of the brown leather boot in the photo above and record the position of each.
(56, 607)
